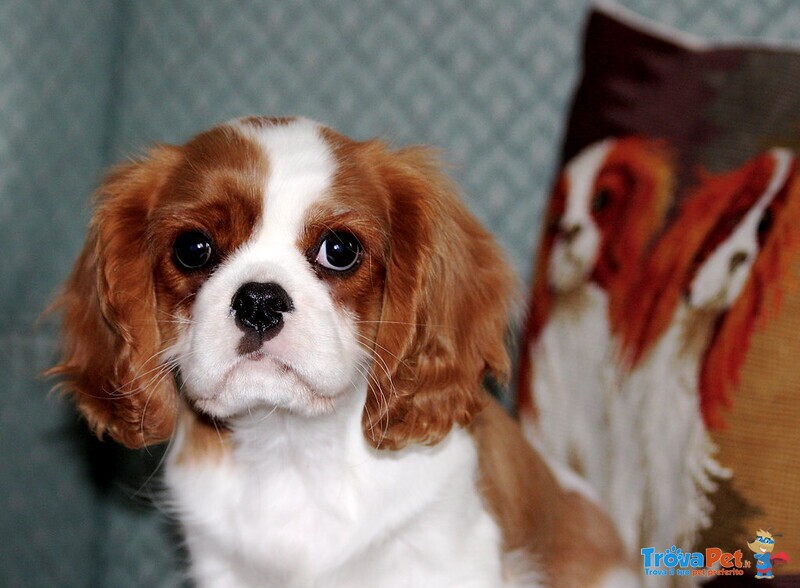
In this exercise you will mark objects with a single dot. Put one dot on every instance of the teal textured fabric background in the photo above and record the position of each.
(82, 84)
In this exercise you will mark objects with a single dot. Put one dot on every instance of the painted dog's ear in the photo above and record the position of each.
(111, 341)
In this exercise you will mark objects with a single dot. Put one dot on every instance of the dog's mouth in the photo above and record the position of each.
(571, 270)
(256, 355)
(250, 344)
(260, 356)
(260, 364)
(251, 352)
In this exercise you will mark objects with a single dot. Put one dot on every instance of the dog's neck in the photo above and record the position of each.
(267, 434)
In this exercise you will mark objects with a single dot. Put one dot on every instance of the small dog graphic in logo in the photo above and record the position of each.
(762, 547)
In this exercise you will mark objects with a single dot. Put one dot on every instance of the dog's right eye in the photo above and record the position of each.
(601, 200)
(764, 225)
(339, 251)
(192, 250)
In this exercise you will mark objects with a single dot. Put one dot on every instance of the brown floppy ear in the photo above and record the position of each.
(446, 299)
(110, 337)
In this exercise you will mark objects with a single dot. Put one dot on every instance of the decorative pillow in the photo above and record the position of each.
(660, 354)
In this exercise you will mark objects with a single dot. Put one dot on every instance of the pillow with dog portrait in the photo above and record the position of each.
(657, 356)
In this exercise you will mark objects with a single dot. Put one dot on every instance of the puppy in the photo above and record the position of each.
(310, 319)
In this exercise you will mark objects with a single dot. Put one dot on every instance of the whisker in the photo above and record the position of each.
(158, 467)
(365, 339)
(385, 322)
(372, 379)
(147, 402)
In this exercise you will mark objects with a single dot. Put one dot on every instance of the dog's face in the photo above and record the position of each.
(276, 317)
(763, 543)
(577, 235)
(275, 264)
(608, 202)
(724, 262)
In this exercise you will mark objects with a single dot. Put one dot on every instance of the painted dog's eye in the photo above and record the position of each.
(601, 200)
(192, 250)
(555, 224)
(339, 251)
(765, 224)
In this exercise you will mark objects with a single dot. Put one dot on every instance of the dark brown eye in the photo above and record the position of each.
(339, 251)
(765, 224)
(601, 200)
(192, 250)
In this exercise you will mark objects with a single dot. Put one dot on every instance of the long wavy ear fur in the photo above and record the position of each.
(110, 361)
(446, 302)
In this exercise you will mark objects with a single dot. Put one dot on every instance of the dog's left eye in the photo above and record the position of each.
(765, 224)
(192, 250)
(601, 200)
(339, 251)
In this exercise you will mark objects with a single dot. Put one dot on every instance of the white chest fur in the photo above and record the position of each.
(570, 361)
(302, 503)
(666, 441)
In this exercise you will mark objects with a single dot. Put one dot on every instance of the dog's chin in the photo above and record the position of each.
(566, 274)
(261, 384)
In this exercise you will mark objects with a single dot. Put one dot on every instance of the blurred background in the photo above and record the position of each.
(85, 83)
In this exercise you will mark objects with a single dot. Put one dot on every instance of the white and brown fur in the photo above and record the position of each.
(675, 465)
(608, 202)
(357, 446)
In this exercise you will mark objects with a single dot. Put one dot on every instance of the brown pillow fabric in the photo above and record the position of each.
(661, 354)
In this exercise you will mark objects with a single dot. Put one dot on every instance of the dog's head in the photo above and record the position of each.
(275, 264)
(742, 272)
(723, 262)
(706, 255)
(727, 257)
(609, 201)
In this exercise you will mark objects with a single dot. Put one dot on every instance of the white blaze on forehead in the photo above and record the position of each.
(301, 168)
(300, 171)
(745, 233)
(783, 162)
(581, 172)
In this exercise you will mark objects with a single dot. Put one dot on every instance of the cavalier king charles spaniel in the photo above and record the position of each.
(309, 319)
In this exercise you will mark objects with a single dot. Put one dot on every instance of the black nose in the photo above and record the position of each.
(737, 259)
(570, 233)
(259, 307)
